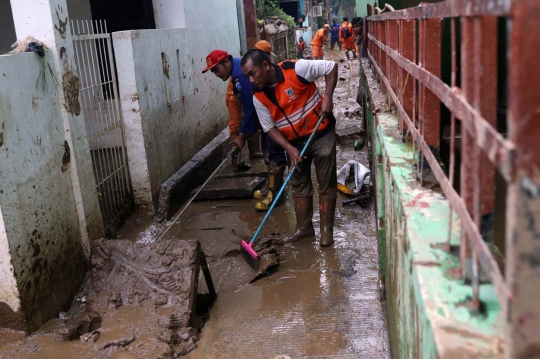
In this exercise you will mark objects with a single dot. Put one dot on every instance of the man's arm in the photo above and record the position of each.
(330, 81)
(235, 116)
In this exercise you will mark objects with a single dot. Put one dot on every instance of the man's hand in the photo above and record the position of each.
(235, 158)
(240, 140)
(294, 156)
(327, 106)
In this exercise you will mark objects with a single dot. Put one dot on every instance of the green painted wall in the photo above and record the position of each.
(426, 304)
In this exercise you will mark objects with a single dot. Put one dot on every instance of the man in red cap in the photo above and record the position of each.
(225, 67)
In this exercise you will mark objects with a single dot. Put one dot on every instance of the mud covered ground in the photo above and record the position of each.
(318, 302)
(138, 300)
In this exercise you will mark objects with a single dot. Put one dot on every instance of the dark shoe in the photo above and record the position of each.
(254, 146)
(275, 181)
(327, 208)
(303, 208)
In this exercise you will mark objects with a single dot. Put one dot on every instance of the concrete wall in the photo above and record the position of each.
(169, 14)
(426, 302)
(170, 109)
(78, 9)
(42, 260)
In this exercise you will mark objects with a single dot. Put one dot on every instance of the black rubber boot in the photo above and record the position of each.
(327, 208)
(254, 146)
(303, 207)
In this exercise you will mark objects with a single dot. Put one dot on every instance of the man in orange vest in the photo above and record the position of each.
(319, 40)
(288, 106)
(347, 37)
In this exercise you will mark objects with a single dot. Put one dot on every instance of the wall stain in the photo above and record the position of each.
(66, 158)
(63, 24)
(1, 138)
(165, 64)
(70, 86)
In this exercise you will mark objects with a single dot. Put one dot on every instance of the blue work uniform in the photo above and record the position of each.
(243, 89)
(334, 30)
(334, 39)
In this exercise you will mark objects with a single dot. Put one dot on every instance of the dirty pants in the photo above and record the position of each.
(276, 154)
(317, 51)
(334, 42)
(322, 151)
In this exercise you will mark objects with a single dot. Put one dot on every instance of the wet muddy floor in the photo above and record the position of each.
(319, 302)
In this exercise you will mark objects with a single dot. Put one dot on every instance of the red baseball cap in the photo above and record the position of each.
(214, 58)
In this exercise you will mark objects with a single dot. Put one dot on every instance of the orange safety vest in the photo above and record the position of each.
(294, 104)
(345, 31)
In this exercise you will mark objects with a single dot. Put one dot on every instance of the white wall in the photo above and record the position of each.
(169, 14)
(41, 254)
(168, 119)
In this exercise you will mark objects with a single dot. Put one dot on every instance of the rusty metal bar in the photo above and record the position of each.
(452, 163)
(485, 101)
(478, 245)
(407, 39)
(467, 144)
(493, 144)
(392, 38)
(431, 116)
(447, 9)
(382, 54)
(421, 95)
(523, 198)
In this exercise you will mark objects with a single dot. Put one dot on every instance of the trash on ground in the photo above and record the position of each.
(351, 177)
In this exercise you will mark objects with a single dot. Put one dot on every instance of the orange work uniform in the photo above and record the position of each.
(347, 36)
(235, 111)
(317, 43)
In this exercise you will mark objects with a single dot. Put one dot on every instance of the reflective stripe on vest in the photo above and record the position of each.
(299, 106)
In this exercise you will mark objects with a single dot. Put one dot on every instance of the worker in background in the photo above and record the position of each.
(347, 37)
(334, 34)
(276, 158)
(358, 29)
(228, 69)
(301, 47)
(319, 40)
(288, 106)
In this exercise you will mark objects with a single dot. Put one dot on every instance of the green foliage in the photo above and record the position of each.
(266, 9)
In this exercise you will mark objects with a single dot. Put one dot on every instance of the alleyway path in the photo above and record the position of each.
(321, 303)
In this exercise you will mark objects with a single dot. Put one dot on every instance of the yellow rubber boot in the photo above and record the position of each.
(275, 181)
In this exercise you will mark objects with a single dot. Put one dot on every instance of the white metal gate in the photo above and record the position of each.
(98, 95)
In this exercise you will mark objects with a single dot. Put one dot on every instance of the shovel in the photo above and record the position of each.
(251, 257)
